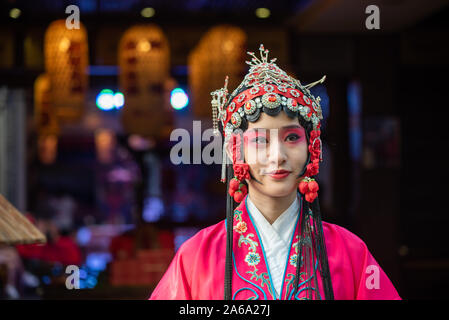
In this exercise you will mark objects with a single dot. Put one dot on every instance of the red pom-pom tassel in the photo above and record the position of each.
(303, 187)
(231, 191)
(234, 184)
(238, 196)
(309, 187)
(311, 196)
(313, 186)
(243, 188)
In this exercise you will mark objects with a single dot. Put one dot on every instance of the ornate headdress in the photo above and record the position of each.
(267, 88)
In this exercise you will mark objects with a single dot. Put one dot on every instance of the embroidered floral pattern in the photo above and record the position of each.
(252, 271)
(238, 215)
(304, 284)
(264, 279)
(293, 260)
(290, 281)
(252, 259)
(241, 227)
(247, 240)
(294, 256)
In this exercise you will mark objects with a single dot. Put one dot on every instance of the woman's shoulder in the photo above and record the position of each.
(338, 235)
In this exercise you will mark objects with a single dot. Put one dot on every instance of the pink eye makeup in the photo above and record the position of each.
(289, 135)
(293, 135)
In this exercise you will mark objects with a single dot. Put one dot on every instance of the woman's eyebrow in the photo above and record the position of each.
(293, 126)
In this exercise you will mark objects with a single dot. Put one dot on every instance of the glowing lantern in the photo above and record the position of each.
(105, 143)
(144, 60)
(46, 120)
(66, 61)
(220, 52)
(47, 148)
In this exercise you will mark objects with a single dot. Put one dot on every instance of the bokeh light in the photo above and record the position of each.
(147, 12)
(262, 13)
(179, 99)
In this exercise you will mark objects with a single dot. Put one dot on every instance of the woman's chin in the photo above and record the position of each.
(279, 189)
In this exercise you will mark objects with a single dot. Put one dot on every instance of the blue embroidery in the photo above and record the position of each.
(303, 283)
(272, 291)
(233, 297)
(241, 289)
(308, 288)
(290, 248)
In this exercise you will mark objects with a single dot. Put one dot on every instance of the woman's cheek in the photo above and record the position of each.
(300, 140)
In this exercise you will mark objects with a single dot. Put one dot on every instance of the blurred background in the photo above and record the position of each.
(86, 116)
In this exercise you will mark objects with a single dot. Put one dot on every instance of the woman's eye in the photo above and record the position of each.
(292, 137)
(259, 140)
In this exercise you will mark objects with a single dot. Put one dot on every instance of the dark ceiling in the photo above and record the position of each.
(317, 16)
(167, 11)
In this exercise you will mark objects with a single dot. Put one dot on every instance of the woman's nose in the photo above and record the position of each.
(277, 153)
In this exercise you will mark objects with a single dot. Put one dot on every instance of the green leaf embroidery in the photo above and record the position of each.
(247, 240)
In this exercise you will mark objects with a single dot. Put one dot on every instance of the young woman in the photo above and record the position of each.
(274, 244)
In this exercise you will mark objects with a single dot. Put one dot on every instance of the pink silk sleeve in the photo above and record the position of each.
(197, 270)
(174, 284)
(355, 274)
(373, 283)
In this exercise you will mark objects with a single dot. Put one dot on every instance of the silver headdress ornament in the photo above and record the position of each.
(219, 98)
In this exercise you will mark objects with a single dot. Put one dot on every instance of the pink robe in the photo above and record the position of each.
(198, 268)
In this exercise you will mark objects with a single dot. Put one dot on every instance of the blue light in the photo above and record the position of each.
(91, 282)
(83, 236)
(179, 99)
(46, 280)
(119, 100)
(153, 209)
(97, 261)
(83, 274)
(107, 100)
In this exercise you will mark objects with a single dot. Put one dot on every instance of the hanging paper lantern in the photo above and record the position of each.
(46, 120)
(221, 52)
(66, 61)
(47, 145)
(105, 144)
(33, 50)
(6, 49)
(144, 60)
(44, 115)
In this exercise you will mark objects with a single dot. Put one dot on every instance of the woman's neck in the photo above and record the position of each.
(270, 207)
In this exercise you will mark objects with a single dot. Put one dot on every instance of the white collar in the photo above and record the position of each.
(282, 225)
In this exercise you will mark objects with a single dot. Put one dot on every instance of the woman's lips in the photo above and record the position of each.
(279, 174)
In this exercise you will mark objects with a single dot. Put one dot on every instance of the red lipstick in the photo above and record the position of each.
(279, 174)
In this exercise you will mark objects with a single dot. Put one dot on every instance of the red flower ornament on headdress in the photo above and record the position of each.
(237, 189)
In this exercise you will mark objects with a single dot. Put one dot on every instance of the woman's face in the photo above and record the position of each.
(276, 151)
